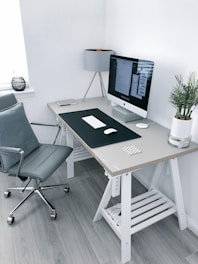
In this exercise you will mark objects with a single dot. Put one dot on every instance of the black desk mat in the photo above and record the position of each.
(96, 137)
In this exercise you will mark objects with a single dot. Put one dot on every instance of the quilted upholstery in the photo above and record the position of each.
(15, 131)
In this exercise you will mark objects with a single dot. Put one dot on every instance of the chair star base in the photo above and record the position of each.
(34, 190)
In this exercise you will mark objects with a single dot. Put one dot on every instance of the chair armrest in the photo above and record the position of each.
(43, 124)
(50, 125)
(11, 149)
(17, 151)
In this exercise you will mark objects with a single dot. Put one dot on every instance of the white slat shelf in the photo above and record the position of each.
(146, 209)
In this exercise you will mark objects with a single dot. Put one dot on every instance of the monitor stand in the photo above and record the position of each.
(124, 114)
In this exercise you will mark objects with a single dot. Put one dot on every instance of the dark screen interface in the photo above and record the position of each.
(130, 80)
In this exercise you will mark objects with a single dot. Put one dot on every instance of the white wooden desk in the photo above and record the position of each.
(144, 210)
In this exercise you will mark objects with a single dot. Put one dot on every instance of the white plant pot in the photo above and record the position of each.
(180, 134)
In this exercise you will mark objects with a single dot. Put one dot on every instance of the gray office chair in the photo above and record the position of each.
(22, 156)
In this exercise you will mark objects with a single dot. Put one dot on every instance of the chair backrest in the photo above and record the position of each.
(7, 100)
(15, 131)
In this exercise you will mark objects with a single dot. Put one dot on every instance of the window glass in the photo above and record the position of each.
(12, 49)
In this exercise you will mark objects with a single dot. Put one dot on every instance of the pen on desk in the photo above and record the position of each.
(65, 105)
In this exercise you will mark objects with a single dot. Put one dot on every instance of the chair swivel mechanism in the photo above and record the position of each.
(22, 156)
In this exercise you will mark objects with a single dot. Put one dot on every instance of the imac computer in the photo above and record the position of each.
(129, 87)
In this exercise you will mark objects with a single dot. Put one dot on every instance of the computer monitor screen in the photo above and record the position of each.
(130, 83)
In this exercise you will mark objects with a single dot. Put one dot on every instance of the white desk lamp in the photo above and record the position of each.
(97, 60)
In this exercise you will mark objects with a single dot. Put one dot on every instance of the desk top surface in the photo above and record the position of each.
(153, 142)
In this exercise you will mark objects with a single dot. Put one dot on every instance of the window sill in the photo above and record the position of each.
(18, 94)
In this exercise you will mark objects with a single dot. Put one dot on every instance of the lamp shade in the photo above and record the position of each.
(97, 60)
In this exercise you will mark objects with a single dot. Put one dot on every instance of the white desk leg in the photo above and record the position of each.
(70, 159)
(178, 194)
(104, 201)
(126, 194)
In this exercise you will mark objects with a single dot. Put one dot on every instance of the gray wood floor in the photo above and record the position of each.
(73, 238)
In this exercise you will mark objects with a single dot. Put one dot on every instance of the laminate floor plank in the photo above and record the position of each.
(74, 238)
(193, 258)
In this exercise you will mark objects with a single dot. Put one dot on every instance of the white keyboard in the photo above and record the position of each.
(131, 150)
(93, 121)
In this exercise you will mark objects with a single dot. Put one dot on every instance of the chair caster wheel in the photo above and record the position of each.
(53, 216)
(7, 194)
(10, 219)
(67, 189)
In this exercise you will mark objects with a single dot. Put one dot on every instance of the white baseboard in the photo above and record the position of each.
(192, 225)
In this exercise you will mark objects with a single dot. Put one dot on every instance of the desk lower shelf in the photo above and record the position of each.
(146, 209)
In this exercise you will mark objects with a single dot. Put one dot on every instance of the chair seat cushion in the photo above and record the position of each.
(42, 162)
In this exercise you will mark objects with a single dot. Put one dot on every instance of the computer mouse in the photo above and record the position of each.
(109, 131)
(141, 125)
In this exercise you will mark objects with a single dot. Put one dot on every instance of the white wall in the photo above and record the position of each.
(163, 31)
(57, 32)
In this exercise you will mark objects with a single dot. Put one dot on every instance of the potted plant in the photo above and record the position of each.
(184, 97)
